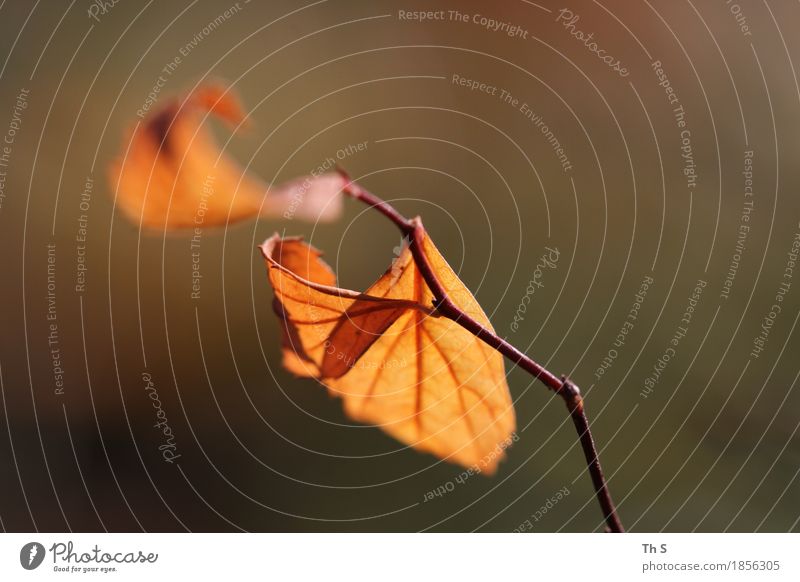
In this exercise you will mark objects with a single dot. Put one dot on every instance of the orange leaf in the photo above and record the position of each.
(392, 359)
(172, 174)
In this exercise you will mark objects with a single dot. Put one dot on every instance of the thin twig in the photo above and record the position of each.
(415, 232)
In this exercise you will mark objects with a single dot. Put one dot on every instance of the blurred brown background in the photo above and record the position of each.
(713, 447)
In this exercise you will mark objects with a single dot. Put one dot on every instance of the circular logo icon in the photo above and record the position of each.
(31, 555)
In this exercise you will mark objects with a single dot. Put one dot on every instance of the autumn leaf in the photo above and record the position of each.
(172, 174)
(392, 359)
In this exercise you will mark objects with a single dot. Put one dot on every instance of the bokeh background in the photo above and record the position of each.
(713, 446)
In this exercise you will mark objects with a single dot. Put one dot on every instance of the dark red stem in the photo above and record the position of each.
(415, 232)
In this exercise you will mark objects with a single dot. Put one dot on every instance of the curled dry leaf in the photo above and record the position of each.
(392, 359)
(172, 174)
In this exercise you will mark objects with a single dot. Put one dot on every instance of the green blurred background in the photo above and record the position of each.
(714, 447)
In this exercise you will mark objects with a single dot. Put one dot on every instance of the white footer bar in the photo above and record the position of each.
(401, 557)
